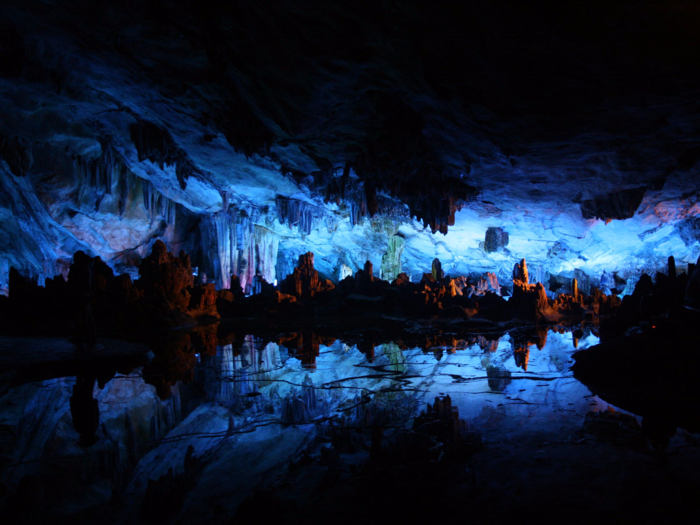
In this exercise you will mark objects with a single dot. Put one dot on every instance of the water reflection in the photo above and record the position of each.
(239, 406)
(302, 377)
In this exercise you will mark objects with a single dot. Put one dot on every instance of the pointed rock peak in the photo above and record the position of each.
(672, 267)
(306, 261)
(437, 272)
(520, 272)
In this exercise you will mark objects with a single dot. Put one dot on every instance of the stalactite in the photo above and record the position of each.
(618, 205)
(299, 214)
(348, 192)
(35, 243)
(157, 145)
(107, 185)
(234, 244)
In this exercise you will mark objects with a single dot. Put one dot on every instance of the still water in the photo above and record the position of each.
(220, 424)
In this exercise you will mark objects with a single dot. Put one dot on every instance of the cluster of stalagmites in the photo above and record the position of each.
(166, 295)
(438, 295)
(531, 301)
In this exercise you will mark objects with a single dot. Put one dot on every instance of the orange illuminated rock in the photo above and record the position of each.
(401, 280)
(530, 300)
(203, 301)
(283, 298)
(522, 356)
(520, 272)
(164, 277)
(304, 282)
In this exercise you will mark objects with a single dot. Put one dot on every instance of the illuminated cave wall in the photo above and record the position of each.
(247, 152)
(107, 210)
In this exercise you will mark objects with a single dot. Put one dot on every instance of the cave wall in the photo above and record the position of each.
(231, 134)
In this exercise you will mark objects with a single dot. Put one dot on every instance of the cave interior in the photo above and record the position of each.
(299, 261)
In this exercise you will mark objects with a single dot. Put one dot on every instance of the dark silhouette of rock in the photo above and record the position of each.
(692, 291)
(81, 284)
(165, 279)
(498, 377)
(84, 409)
(672, 267)
(619, 205)
(364, 280)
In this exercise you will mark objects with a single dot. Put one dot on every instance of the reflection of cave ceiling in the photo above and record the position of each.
(254, 132)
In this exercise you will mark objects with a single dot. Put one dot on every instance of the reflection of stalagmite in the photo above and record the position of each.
(607, 283)
(498, 377)
(302, 405)
(223, 384)
(441, 420)
(490, 346)
(84, 409)
(305, 346)
(367, 348)
(522, 356)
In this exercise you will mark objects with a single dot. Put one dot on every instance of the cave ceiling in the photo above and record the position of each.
(546, 119)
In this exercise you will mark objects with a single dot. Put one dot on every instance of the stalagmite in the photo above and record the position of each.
(436, 271)
(672, 267)
(391, 260)
(520, 272)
